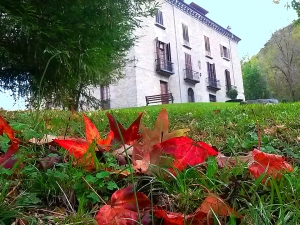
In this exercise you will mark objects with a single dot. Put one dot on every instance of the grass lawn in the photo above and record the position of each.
(47, 186)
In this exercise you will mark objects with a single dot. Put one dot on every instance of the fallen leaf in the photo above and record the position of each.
(160, 132)
(125, 199)
(229, 162)
(7, 159)
(79, 147)
(213, 204)
(92, 134)
(271, 164)
(109, 215)
(170, 218)
(123, 209)
(143, 152)
(47, 138)
(129, 135)
(49, 162)
(186, 151)
(6, 129)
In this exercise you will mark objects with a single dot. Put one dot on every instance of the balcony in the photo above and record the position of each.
(191, 76)
(213, 84)
(164, 67)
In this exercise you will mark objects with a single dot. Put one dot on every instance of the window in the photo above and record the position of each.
(185, 33)
(207, 46)
(212, 98)
(104, 93)
(159, 17)
(191, 96)
(228, 80)
(163, 51)
(224, 52)
(188, 66)
(211, 70)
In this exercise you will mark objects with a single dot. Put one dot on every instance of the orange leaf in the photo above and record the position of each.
(77, 147)
(160, 132)
(129, 135)
(217, 205)
(271, 164)
(92, 133)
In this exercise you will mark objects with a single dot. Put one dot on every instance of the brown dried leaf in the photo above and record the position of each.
(49, 162)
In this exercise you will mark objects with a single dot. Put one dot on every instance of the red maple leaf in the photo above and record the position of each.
(143, 152)
(130, 135)
(5, 128)
(186, 151)
(7, 160)
(271, 164)
(172, 218)
(123, 209)
(79, 147)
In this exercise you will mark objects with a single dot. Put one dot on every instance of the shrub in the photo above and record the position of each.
(232, 93)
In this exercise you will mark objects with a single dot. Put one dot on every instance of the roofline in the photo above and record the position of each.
(203, 19)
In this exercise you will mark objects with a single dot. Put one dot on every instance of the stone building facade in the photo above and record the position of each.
(180, 51)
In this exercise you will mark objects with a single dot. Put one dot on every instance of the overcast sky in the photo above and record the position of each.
(253, 21)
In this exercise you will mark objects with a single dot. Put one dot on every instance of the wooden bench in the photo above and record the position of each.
(163, 98)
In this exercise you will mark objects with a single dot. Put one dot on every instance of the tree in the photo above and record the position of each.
(56, 50)
(280, 59)
(255, 84)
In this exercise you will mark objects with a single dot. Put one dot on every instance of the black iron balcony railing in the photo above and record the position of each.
(164, 67)
(191, 76)
(213, 83)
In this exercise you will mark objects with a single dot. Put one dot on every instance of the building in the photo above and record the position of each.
(180, 51)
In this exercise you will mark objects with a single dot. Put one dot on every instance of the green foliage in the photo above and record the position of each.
(232, 93)
(255, 84)
(279, 63)
(56, 51)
